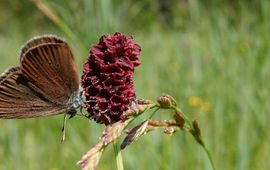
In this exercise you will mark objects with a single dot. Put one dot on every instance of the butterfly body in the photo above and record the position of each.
(46, 82)
(76, 103)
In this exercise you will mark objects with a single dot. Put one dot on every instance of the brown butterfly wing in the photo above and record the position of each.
(17, 100)
(45, 39)
(44, 84)
(51, 71)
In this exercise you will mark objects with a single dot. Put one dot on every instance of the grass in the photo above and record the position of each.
(223, 62)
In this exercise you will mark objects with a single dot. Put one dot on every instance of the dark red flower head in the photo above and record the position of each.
(107, 78)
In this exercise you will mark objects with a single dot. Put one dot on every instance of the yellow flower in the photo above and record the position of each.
(194, 101)
(202, 106)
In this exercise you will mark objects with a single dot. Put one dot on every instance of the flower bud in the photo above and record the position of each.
(179, 119)
(166, 100)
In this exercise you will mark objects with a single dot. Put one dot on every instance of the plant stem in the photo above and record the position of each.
(202, 144)
(49, 13)
(209, 156)
(118, 156)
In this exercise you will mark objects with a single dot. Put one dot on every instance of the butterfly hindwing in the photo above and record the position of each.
(17, 100)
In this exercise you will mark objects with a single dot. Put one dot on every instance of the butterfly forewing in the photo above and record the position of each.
(51, 71)
(17, 100)
(38, 41)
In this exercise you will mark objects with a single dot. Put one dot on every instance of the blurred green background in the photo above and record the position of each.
(213, 56)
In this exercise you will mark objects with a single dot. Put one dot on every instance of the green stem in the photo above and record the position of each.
(209, 156)
(202, 144)
(49, 13)
(152, 115)
(118, 156)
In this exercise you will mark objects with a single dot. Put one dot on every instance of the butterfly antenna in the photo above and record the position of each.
(64, 128)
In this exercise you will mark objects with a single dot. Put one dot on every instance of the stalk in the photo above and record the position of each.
(118, 156)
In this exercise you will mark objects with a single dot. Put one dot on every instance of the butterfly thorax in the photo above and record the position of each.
(76, 103)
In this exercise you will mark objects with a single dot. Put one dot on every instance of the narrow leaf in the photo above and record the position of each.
(134, 134)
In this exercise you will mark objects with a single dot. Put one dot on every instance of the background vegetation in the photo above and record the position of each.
(212, 56)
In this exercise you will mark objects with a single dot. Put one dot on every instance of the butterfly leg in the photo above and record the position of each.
(64, 128)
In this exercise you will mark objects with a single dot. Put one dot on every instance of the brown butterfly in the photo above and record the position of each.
(46, 82)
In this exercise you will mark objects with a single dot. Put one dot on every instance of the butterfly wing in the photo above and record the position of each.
(51, 71)
(44, 84)
(17, 100)
(45, 39)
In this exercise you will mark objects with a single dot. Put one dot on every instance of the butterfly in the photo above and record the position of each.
(45, 83)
